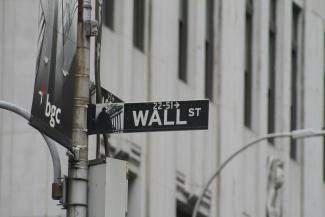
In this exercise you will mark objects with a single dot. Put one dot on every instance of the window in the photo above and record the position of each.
(272, 70)
(248, 64)
(181, 213)
(209, 49)
(324, 136)
(138, 24)
(324, 161)
(108, 13)
(182, 40)
(294, 78)
(324, 115)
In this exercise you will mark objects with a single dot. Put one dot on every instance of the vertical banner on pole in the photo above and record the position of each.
(54, 83)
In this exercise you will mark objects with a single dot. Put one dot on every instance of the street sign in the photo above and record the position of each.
(106, 95)
(147, 117)
(54, 84)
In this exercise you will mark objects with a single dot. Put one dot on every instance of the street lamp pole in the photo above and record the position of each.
(296, 134)
(56, 194)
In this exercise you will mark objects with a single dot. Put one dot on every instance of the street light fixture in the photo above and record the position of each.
(295, 134)
(56, 189)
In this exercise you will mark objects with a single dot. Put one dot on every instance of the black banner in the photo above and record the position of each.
(54, 84)
(148, 117)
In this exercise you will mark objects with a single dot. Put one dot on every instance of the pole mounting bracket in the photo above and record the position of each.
(91, 27)
(74, 153)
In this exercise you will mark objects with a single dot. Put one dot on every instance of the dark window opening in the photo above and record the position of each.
(248, 64)
(182, 41)
(293, 122)
(324, 116)
(324, 158)
(183, 210)
(209, 49)
(324, 142)
(181, 213)
(108, 13)
(294, 79)
(272, 71)
(138, 24)
(324, 161)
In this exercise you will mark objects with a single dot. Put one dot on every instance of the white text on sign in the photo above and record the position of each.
(142, 117)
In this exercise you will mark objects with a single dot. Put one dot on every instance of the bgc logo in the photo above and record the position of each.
(51, 111)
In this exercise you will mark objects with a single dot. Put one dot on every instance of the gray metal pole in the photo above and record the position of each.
(198, 202)
(78, 165)
(98, 47)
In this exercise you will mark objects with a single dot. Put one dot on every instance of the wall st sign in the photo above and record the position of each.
(148, 117)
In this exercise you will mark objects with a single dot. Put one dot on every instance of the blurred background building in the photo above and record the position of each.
(261, 65)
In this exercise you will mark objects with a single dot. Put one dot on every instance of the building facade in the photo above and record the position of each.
(261, 65)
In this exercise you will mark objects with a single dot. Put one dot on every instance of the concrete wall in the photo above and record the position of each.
(312, 169)
(135, 76)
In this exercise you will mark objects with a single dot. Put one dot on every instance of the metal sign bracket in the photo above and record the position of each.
(91, 28)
